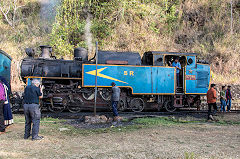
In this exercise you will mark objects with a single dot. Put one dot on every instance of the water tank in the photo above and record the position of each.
(132, 58)
(80, 54)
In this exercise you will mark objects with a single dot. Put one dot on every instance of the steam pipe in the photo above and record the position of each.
(93, 56)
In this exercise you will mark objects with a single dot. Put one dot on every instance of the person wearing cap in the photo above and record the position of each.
(115, 99)
(211, 100)
(177, 65)
(32, 113)
(229, 98)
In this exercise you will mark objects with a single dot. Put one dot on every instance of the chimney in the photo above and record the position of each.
(46, 51)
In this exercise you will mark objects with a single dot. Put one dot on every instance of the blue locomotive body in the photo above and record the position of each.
(141, 79)
(5, 65)
(155, 80)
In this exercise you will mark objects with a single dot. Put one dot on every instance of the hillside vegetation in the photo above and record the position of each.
(201, 26)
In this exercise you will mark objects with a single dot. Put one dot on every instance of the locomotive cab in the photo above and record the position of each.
(165, 59)
(168, 60)
(190, 70)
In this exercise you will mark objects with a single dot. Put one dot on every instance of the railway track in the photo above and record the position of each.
(68, 115)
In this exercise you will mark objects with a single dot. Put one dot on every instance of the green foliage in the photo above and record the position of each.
(171, 16)
(68, 32)
(154, 28)
(105, 16)
(189, 155)
(68, 29)
(100, 30)
(155, 121)
(163, 121)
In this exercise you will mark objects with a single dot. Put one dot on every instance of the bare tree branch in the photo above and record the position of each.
(6, 16)
(5, 9)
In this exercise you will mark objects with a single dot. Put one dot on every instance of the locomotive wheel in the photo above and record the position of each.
(137, 104)
(74, 109)
(121, 105)
(88, 94)
(198, 104)
(56, 108)
(76, 106)
(169, 106)
(105, 93)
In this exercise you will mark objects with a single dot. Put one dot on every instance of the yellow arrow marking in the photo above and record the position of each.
(102, 75)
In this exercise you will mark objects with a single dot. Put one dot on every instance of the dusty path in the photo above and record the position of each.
(202, 140)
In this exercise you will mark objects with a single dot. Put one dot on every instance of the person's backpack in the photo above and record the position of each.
(2, 92)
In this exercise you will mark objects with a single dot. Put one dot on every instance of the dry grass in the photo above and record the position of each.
(204, 140)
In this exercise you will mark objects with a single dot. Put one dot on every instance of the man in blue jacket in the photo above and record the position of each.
(177, 65)
(115, 99)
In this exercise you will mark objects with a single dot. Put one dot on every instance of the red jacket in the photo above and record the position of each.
(211, 95)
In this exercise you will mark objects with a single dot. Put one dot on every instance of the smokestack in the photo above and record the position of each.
(46, 51)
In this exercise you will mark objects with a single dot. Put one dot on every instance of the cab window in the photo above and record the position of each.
(170, 59)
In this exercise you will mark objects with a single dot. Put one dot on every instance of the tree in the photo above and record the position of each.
(9, 10)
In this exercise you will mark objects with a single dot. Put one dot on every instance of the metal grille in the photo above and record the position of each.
(202, 79)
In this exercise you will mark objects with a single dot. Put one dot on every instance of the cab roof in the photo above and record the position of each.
(171, 53)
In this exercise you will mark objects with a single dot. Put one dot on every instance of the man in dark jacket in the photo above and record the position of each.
(32, 113)
(115, 99)
(229, 98)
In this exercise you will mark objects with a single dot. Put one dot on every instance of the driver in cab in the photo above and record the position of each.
(177, 65)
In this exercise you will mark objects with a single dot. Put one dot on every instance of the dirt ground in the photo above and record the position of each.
(182, 140)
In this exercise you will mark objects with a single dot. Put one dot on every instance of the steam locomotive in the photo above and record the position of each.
(146, 83)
